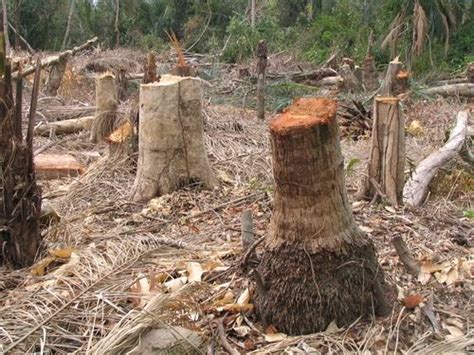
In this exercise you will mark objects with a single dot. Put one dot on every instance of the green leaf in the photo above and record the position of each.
(468, 213)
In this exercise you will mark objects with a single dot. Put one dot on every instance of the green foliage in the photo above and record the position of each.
(468, 213)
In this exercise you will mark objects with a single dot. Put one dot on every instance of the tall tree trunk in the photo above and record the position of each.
(262, 52)
(318, 266)
(253, 13)
(68, 26)
(117, 32)
(5, 27)
(17, 20)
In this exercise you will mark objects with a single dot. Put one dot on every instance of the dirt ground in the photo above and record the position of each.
(118, 269)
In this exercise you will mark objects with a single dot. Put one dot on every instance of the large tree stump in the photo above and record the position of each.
(171, 138)
(318, 266)
(387, 153)
(56, 74)
(369, 73)
(106, 98)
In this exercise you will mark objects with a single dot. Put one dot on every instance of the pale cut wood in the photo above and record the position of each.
(55, 166)
(106, 98)
(416, 188)
(390, 77)
(387, 153)
(65, 127)
(463, 89)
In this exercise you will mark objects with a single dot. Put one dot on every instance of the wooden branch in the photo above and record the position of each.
(56, 58)
(466, 89)
(405, 256)
(65, 127)
(22, 39)
(224, 342)
(416, 188)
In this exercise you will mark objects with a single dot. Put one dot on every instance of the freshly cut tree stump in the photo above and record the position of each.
(318, 266)
(387, 153)
(56, 75)
(171, 138)
(106, 107)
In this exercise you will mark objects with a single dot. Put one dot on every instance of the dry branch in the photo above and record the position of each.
(416, 188)
(405, 256)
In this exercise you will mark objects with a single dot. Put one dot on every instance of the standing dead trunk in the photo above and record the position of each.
(262, 52)
(106, 107)
(387, 153)
(171, 138)
(117, 32)
(5, 27)
(318, 266)
(253, 12)
(20, 197)
(68, 25)
(17, 21)
(56, 75)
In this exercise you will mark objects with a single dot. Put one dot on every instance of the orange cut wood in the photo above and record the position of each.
(55, 166)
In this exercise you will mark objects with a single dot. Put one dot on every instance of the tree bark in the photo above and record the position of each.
(387, 153)
(20, 197)
(17, 21)
(65, 127)
(56, 75)
(106, 107)
(68, 26)
(466, 89)
(318, 266)
(416, 188)
(171, 138)
(5, 27)
(117, 15)
(262, 52)
(393, 69)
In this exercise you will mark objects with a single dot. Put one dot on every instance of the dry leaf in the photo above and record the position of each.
(121, 134)
(242, 331)
(235, 308)
(62, 253)
(332, 327)
(39, 268)
(194, 271)
(273, 338)
(175, 284)
(415, 128)
(454, 332)
(244, 297)
(412, 301)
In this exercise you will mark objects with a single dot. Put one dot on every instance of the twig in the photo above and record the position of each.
(250, 250)
(405, 256)
(224, 342)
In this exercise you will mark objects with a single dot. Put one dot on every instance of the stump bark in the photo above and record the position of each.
(106, 107)
(318, 266)
(262, 52)
(385, 177)
(56, 75)
(171, 138)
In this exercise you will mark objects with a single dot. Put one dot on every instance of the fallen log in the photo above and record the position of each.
(56, 58)
(464, 89)
(65, 127)
(449, 82)
(61, 113)
(416, 188)
(299, 77)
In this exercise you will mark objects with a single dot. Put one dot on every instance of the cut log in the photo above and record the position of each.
(56, 75)
(171, 138)
(56, 58)
(466, 90)
(262, 52)
(387, 153)
(416, 188)
(315, 75)
(54, 166)
(106, 101)
(60, 113)
(318, 266)
(65, 127)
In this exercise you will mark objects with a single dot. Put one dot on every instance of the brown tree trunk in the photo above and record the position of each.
(387, 153)
(17, 19)
(68, 25)
(106, 107)
(171, 138)
(369, 73)
(262, 52)
(5, 27)
(389, 81)
(20, 197)
(318, 266)
(56, 75)
(470, 73)
(117, 32)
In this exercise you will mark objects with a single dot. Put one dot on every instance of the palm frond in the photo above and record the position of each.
(420, 29)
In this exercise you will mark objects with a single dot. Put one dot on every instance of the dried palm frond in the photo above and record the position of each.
(393, 35)
(179, 50)
(420, 29)
(157, 313)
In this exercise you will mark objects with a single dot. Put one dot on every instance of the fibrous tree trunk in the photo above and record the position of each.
(106, 107)
(385, 176)
(318, 266)
(20, 197)
(171, 138)
(262, 52)
(56, 74)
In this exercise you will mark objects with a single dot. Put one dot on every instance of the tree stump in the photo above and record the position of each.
(369, 73)
(56, 75)
(106, 98)
(318, 266)
(387, 88)
(171, 138)
(387, 153)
